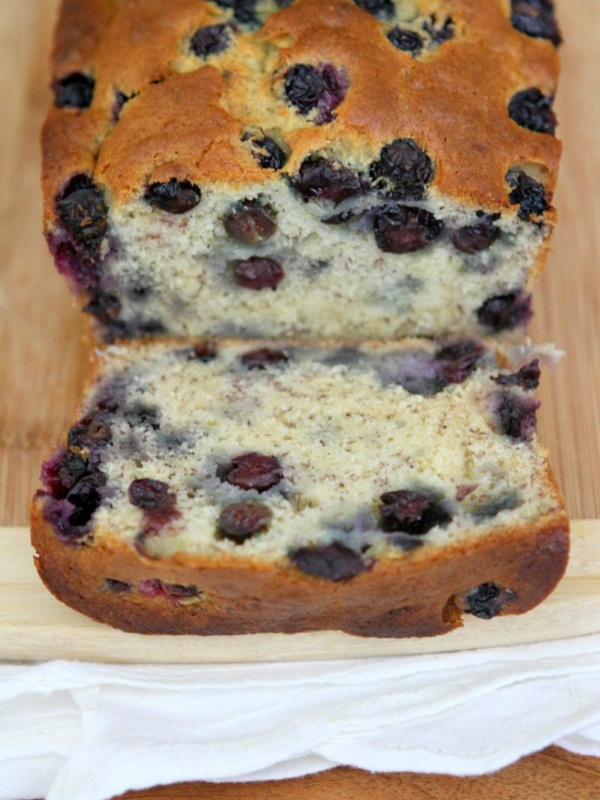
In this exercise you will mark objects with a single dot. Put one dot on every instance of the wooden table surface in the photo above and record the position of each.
(42, 364)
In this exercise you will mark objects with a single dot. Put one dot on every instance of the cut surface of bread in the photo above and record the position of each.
(302, 169)
(238, 487)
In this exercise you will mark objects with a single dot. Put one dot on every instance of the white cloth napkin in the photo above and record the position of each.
(73, 731)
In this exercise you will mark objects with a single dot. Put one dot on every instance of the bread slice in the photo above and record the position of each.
(349, 169)
(233, 487)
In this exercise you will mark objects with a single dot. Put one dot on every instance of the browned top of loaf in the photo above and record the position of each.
(188, 115)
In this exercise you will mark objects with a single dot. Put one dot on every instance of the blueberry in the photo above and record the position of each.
(92, 430)
(86, 497)
(80, 264)
(240, 521)
(258, 273)
(407, 40)
(120, 100)
(527, 378)
(536, 18)
(244, 11)
(336, 85)
(149, 494)
(117, 586)
(527, 193)
(83, 213)
(267, 152)
(411, 512)
(71, 470)
(263, 358)
(486, 600)
(152, 496)
(472, 239)
(174, 197)
(335, 562)
(378, 8)
(323, 179)
(403, 171)
(252, 471)
(210, 40)
(250, 222)
(533, 110)
(104, 306)
(402, 229)
(322, 88)
(62, 515)
(62, 471)
(304, 87)
(516, 416)
(457, 361)
(75, 90)
(506, 311)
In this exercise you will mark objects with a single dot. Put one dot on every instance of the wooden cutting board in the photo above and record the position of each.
(35, 626)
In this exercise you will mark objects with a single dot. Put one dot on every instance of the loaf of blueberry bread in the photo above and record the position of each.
(237, 487)
(300, 168)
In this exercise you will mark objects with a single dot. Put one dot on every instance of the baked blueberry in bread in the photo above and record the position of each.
(309, 169)
(231, 487)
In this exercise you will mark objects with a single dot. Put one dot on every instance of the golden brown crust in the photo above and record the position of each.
(410, 596)
(452, 100)
(79, 30)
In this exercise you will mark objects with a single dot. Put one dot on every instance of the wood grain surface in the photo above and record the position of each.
(42, 362)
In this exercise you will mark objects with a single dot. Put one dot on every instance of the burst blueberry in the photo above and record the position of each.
(403, 229)
(241, 521)
(210, 40)
(412, 512)
(527, 193)
(244, 11)
(533, 110)
(75, 90)
(250, 222)
(527, 378)
(252, 471)
(516, 416)
(378, 8)
(174, 197)
(403, 170)
(472, 239)
(505, 312)
(536, 18)
(308, 88)
(406, 40)
(258, 273)
(323, 179)
(83, 214)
